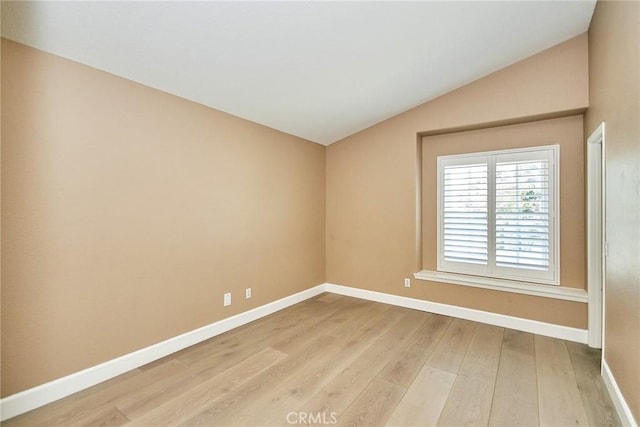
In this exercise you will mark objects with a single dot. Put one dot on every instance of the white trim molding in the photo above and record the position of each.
(503, 285)
(623, 410)
(595, 233)
(41, 395)
(502, 320)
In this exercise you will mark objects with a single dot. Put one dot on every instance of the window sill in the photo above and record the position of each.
(526, 288)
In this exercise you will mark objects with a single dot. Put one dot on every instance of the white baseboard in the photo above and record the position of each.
(623, 410)
(41, 395)
(502, 320)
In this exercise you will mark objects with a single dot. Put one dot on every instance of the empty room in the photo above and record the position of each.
(320, 213)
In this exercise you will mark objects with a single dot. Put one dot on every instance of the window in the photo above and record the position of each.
(498, 214)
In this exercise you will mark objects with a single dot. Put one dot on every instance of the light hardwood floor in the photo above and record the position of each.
(339, 360)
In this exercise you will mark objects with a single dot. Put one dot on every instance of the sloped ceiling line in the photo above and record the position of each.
(318, 70)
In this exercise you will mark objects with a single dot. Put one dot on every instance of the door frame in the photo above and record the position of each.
(596, 237)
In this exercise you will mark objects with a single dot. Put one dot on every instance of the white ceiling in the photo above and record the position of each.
(318, 70)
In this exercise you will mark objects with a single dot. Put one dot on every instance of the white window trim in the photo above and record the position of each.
(554, 235)
(518, 287)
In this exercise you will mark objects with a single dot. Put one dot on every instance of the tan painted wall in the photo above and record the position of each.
(372, 184)
(614, 66)
(566, 132)
(128, 212)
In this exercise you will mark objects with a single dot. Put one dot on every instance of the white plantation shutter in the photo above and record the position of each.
(522, 214)
(497, 214)
(465, 213)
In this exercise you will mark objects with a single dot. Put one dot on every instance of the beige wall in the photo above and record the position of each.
(372, 182)
(614, 50)
(128, 212)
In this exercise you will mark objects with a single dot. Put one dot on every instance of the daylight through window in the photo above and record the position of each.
(497, 214)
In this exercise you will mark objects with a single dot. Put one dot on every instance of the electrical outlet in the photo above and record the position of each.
(247, 293)
(407, 283)
(227, 299)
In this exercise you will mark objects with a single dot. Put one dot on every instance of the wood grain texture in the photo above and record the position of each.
(185, 404)
(77, 406)
(403, 369)
(235, 404)
(469, 402)
(595, 398)
(515, 399)
(451, 350)
(337, 394)
(423, 402)
(559, 399)
(374, 406)
(353, 362)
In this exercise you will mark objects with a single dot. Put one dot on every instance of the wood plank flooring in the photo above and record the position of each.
(335, 360)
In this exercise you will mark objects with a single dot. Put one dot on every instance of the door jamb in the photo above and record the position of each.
(596, 241)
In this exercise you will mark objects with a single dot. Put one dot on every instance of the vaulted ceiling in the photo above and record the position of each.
(318, 70)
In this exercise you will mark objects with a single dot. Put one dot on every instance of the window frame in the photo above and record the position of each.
(551, 153)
